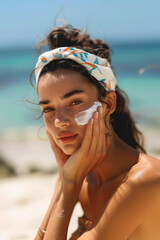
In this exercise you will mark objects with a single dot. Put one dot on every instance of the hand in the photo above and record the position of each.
(92, 152)
(61, 157)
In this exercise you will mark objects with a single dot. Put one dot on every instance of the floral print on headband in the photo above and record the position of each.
(98, 67)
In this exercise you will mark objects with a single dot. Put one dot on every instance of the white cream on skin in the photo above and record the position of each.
(83, 117)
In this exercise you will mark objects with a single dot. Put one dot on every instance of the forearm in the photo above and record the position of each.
(61, 214)
(54, 199)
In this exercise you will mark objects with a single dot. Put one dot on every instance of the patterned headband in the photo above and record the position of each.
(98, 67)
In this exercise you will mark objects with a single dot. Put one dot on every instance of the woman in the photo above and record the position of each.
(101, 161)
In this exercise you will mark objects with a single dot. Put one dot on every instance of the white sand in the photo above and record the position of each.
(23, 149)
(24, 202)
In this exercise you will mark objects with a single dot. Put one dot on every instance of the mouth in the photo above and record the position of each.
(67, 139)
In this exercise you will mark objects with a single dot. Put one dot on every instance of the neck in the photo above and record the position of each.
(120, 158)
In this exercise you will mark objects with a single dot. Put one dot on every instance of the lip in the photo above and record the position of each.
(67, 137)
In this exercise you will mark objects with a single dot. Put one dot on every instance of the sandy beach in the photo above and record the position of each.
(24, 201)
(26, 196)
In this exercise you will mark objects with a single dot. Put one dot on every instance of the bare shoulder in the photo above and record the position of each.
(144, 178)
(146, 171)
(133, 203)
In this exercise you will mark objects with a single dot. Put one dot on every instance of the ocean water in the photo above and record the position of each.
(128, 60)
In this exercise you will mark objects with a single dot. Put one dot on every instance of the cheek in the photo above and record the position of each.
(81, 131)
(49, 119)
(49, 124)
(69, 149)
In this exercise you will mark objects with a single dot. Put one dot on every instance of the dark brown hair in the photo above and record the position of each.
(121, 119)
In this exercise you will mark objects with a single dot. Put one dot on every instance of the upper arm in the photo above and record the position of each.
(129, 206)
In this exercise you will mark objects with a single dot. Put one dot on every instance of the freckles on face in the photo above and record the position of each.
(68, 147)
(62, 95)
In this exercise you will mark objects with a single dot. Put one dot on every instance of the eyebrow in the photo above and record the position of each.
(67, 95)
(44, 102)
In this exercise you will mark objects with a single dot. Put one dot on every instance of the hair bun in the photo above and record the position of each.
(67, 36)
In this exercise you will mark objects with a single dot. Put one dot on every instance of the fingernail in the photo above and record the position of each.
(96, 115)
(100, 109)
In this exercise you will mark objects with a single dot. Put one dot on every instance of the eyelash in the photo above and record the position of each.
(76, 101)
(47, 110)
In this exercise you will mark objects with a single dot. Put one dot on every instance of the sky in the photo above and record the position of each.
(115, 20)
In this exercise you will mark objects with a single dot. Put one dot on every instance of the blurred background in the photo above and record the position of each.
(27, 165)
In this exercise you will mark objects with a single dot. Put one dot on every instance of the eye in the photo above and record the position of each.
(47, 110)
(76, 102)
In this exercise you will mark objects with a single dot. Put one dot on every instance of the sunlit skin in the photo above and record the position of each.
(60, 112)
(93, 165)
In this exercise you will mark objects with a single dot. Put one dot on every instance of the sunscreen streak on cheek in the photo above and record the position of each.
(83, 117)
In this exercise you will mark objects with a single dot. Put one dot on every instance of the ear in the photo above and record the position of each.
(110, 105)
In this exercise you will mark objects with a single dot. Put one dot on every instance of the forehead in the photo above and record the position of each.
(62, 81)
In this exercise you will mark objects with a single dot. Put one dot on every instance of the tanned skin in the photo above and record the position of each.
(117, 186)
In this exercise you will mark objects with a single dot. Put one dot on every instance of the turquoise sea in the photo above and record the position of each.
(128, 60)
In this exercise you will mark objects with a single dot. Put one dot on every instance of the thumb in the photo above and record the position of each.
(52, 142)
(54, 146)
(61, 157)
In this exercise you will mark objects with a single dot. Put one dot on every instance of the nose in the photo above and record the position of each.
(62, 122)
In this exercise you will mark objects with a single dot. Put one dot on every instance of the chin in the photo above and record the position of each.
(69, 150)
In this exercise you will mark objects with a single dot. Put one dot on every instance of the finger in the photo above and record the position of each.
(95, 135)
(60, 156)
(102, 142)
(54, 146)
(88, 137)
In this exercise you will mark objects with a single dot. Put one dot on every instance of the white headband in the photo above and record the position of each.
(98, 67)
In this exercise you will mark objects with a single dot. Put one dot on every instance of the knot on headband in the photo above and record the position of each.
(98, 67)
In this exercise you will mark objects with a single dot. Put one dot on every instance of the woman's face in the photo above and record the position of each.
(62, 95)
